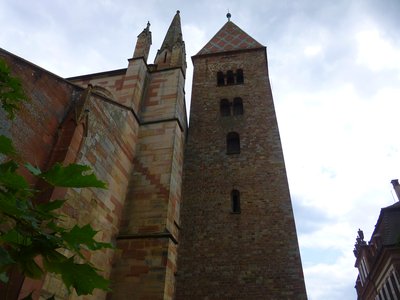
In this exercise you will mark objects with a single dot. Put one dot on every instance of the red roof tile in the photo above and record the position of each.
(230, 37)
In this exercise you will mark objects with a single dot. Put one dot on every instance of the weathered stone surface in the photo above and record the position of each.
(225, 255)
(130, 126)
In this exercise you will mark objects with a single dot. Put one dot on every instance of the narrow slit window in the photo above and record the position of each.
(220, 78)
(230, 79)
(239, 76)
(165, 56)
(232, 143)
(235, 199)
(237, 106)
(225, 107)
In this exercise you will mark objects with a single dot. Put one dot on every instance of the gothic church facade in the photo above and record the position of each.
(201, 213)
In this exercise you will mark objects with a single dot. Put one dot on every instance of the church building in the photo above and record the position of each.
(198, 212)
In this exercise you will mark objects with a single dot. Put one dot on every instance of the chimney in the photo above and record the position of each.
(396, 186)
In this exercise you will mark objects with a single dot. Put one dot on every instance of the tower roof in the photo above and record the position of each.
(174, 33)
(229, 38)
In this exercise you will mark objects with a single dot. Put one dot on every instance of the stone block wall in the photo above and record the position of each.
(253, 254)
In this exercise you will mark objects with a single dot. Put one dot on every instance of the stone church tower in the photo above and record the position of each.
(238, 238)
(233, 236)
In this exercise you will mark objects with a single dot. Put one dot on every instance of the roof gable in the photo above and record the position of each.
(229, 38)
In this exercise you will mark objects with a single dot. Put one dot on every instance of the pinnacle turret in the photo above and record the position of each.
(172, 52)
(143, 43)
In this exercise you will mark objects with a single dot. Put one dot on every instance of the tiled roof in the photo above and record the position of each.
(388, 224)
(229, 38)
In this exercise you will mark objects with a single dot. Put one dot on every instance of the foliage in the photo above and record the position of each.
(11, 91)
(31, 235)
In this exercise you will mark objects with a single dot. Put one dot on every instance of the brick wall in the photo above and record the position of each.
(253, 254)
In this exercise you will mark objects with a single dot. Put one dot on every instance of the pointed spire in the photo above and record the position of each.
(143, 43)
(174, 33)
(172, 52)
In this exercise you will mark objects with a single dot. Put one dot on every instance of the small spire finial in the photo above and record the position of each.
(228, 15)
(148, 24)
(177, 11)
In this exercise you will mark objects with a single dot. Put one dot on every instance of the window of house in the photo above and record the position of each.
(230, 79)
(237, 106)
(239, 76)
(395, 284)
(232, 143)
(220, 78)
(225, 107)
(235, 199)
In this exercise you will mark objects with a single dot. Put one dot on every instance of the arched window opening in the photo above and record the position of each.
(220, 78)
(229, 77)
(237, 106)
(225, 107)
(239, 76)
(232, 143)
(235, 200)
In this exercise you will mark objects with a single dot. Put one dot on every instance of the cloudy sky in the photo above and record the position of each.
(335, 74)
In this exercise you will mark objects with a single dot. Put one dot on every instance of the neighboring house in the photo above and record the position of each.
(378, 262)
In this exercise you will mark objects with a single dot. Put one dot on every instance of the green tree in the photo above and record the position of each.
(32, 232)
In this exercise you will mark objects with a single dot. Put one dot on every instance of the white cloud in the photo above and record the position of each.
(331, 281)
(376, 52)
(312, 50)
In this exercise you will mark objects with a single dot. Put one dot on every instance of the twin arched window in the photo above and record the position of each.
(231, 77)
(225, 107)
(220, 78)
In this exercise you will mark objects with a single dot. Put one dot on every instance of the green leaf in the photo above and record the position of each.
(78, 236)
(72, 175)
(11, 180)
(82, 277)
(6, 146)
(3, 277)
(14, 237)
(5, 259)
(29, 297)
(30, 268)
(8, 166)
(11, 91)
(50, 206)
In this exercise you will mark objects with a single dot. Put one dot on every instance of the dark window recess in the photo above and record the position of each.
(225, 107)
(239, 76)
(220, 78)
(232, 143)
(230, 79)
(165, 56)
(237, 106)
(235, 199)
